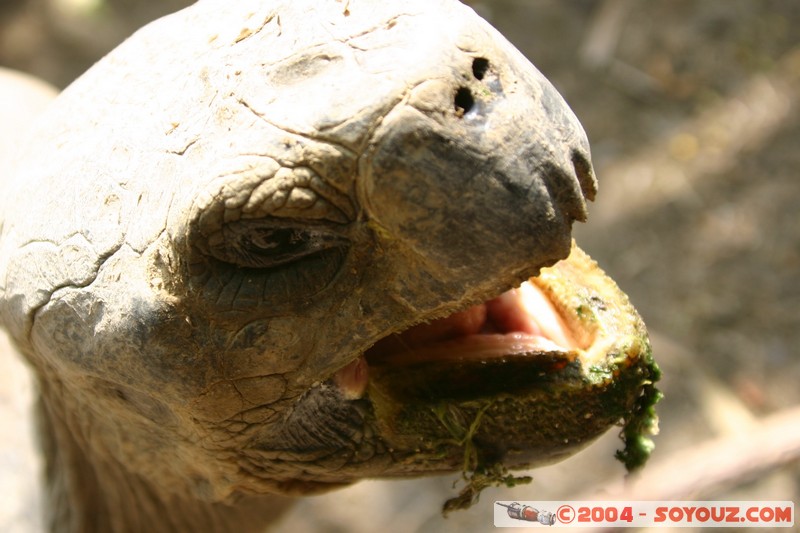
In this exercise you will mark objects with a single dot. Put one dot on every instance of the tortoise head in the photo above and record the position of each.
(219, 234)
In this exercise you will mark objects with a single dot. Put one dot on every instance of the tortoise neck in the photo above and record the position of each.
(86, 494)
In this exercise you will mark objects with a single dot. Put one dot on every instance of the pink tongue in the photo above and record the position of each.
(468, 322)
(519, 321)
(352, 379)
(524, 310)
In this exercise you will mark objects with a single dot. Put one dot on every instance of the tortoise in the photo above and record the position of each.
(265, 249)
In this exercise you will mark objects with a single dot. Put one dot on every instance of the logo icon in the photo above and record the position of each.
(529, 514)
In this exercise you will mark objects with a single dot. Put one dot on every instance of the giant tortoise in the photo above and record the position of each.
(264, 249)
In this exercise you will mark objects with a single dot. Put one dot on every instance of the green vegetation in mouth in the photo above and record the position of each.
(478, 476)
(484, 417)
(493, 475)
(641, 423)
(638, 426)
(483, 467)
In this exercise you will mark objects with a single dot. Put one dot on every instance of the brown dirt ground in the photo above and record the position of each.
(692, 110)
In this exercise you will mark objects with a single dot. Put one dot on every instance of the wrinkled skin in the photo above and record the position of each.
(210, 227)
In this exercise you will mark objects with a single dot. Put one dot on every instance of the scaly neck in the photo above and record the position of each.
(87, 494)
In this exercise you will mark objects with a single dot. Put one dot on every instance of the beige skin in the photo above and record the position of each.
(206, 231)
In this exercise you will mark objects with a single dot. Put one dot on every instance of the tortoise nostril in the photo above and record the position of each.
(479, 67)
(463, 101)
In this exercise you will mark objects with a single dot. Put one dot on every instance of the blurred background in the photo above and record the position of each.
(691, 107)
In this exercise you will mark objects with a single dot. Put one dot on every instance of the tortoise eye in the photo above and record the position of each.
(263, 245)
(267, 263)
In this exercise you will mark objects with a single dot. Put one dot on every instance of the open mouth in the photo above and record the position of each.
(501, 345)
(521, 327)
(520, 321)
(521, 380)
(525, 378)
